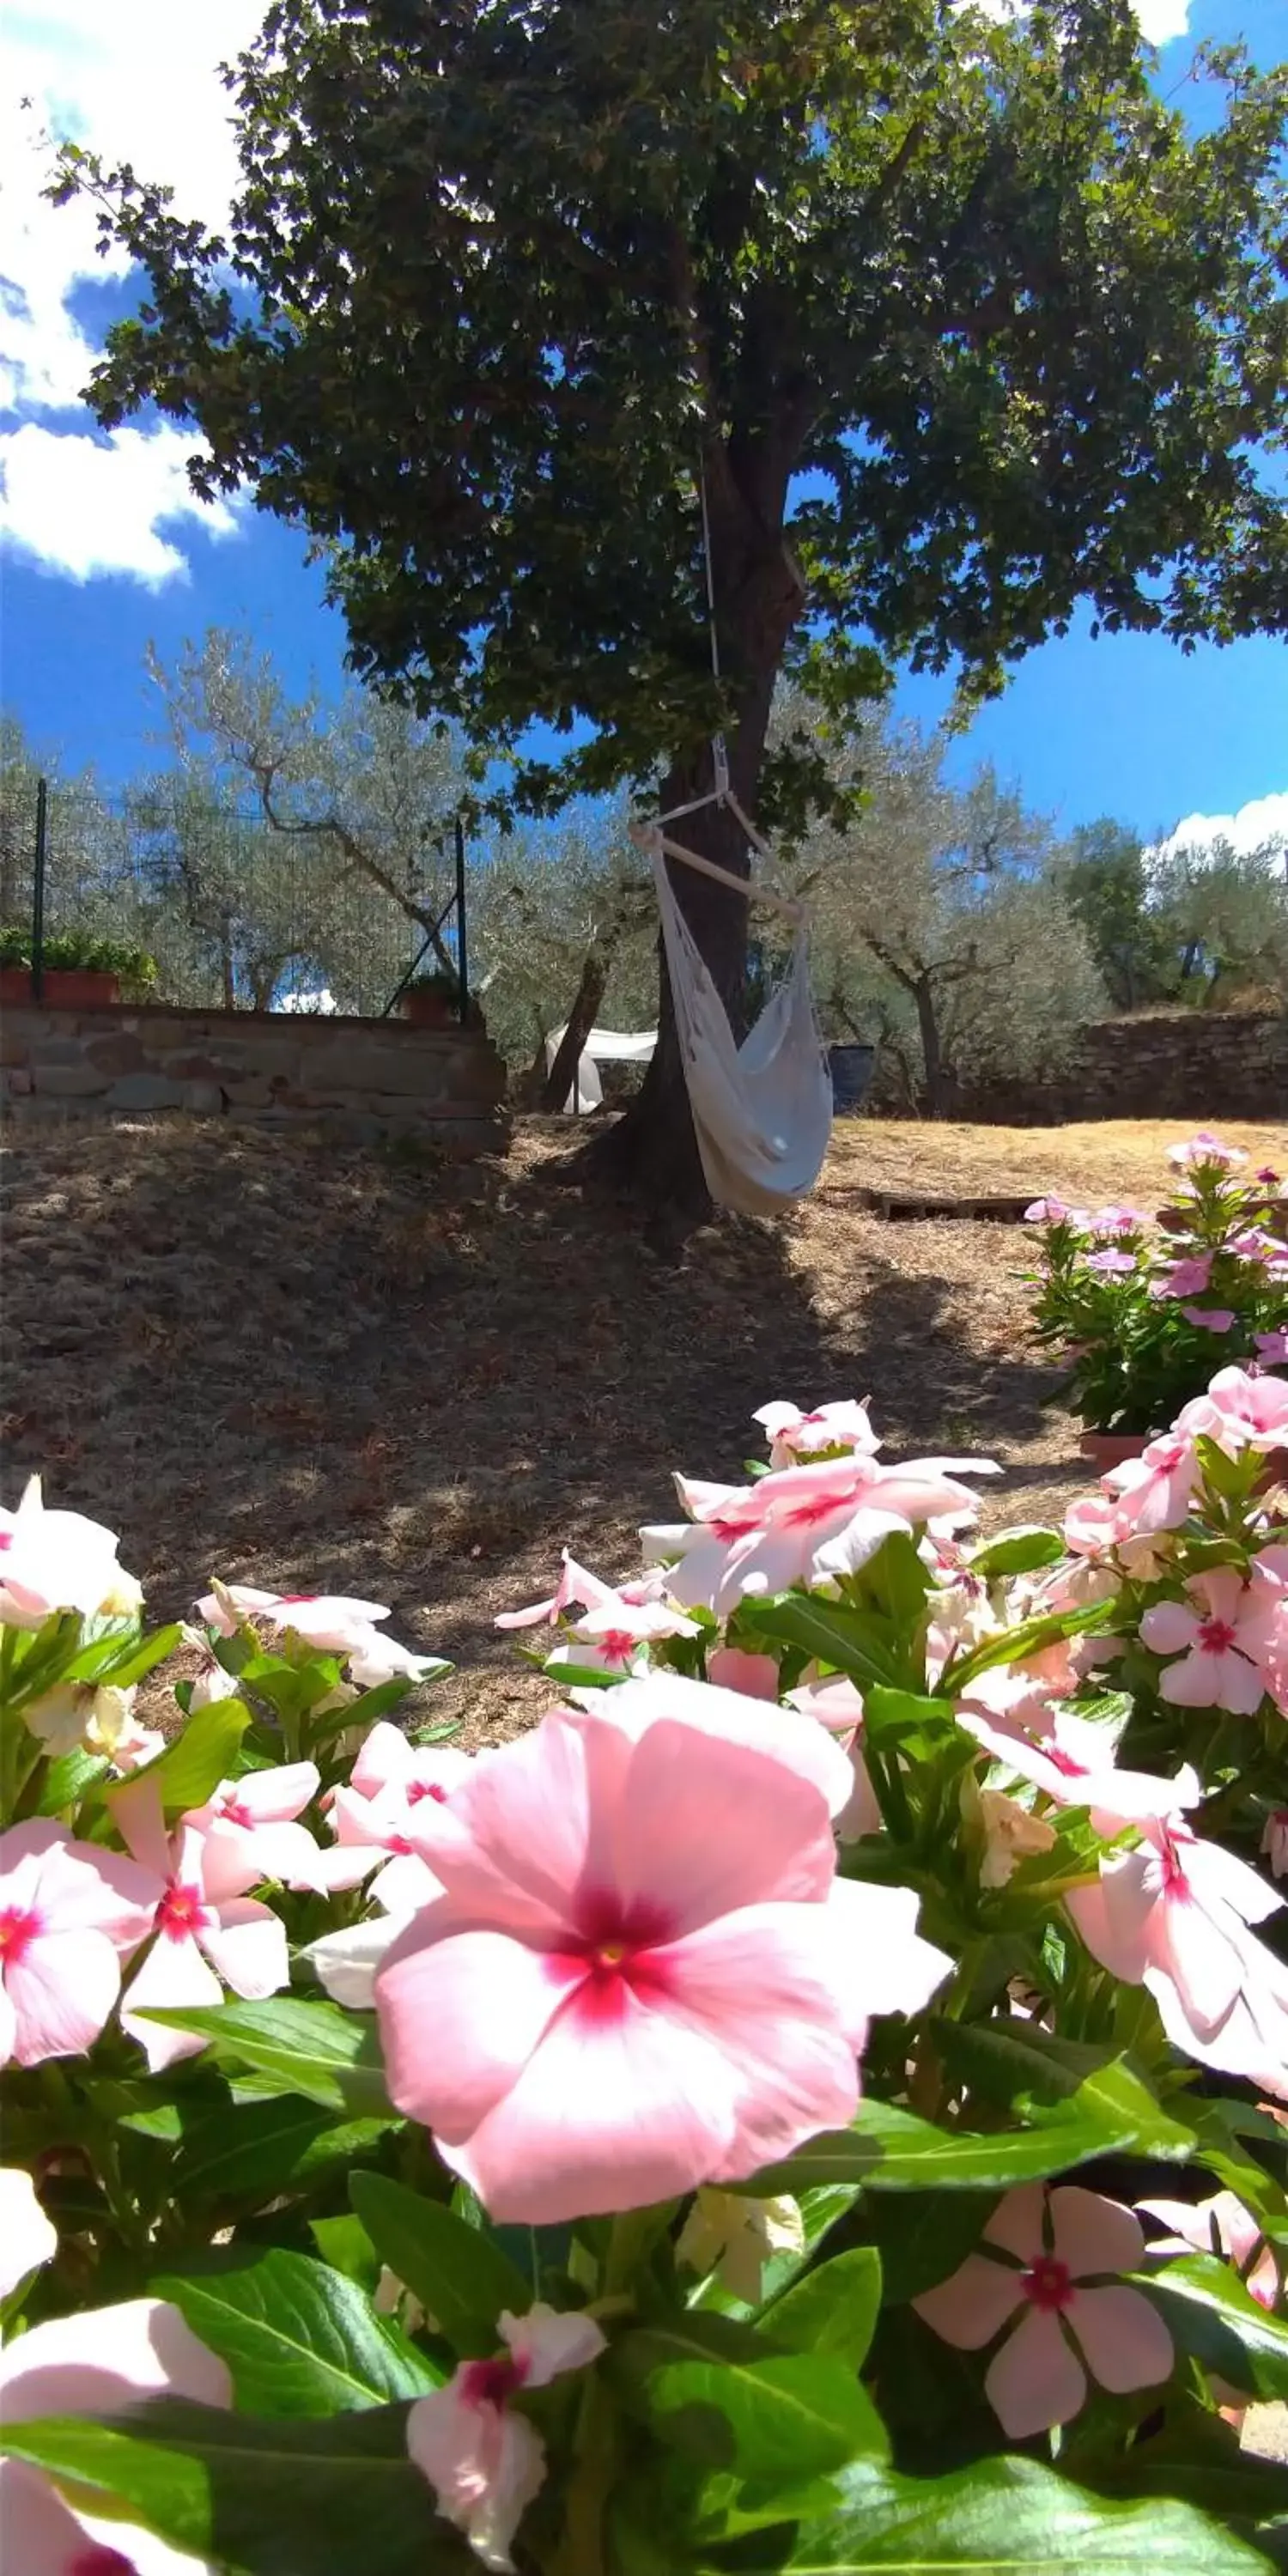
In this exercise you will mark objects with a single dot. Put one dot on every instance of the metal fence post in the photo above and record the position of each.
(462, 958)
(38, 892)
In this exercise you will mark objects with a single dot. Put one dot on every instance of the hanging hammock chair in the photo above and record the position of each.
(762, 1111)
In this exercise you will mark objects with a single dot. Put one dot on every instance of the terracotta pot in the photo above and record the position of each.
(80, 988)
(1274, 1472)
(1108, 1449)
(15, 983)
(428, 1010)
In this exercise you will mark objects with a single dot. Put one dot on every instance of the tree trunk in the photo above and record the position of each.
(581, 1020)
(930, 1046)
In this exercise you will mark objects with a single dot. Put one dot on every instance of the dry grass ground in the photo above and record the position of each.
(296, 1363)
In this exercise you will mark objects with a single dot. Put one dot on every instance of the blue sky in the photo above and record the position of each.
(104, 549)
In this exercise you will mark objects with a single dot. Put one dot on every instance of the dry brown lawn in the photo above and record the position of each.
(297, 1363)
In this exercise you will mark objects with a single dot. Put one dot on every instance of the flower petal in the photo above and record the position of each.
(879, 1962)
(667, 1856)
(62, 1989)
(346, 1962)
(172, 1978)
(758, 1986)
(1017, 2222)
(1123, 2338)
(247, 1947)
(27, 2238)
(513, 1844)
(460, 2016)
(1091, 2234)
(973, 2304)
(1035, 2381)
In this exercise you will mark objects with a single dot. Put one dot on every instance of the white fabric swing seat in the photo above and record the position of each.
(762, 1111)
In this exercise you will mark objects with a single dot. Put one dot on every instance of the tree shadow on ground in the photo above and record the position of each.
(302, 1364)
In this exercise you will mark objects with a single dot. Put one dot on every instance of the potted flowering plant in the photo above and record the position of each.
(79, 971)
(1139, 1308)
(430, 1001)
(747, 2122)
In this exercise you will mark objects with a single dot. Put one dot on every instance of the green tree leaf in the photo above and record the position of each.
(459, 2274)
(271, 2497)
(298, 2338)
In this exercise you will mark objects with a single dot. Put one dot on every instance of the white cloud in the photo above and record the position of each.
(1264, 818)
(1162, 20)
(80, 505)
(137, 82)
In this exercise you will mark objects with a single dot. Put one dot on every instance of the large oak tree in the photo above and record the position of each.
(964, 324)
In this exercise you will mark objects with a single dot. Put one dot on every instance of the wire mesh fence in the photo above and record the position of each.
(233, 912)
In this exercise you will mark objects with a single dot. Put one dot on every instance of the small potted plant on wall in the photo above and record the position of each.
(1143, 1310)
(78, 971)
(431, 1001)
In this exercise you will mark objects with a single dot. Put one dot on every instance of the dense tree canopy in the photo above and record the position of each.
(958, 306)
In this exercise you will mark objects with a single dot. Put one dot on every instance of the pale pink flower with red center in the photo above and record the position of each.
(1221, 2226)
(484, 2462)
(374, 1815)
(1219, 1635)
(1205, 1148)
(95, 2362)
(327, 1620)
(51, 1561)
(68, 1911)
(1072, 2319)
(251, 1833)
(1154, 1491)
(1046, 1212)
(1111, 1264)
(205, 1929)
(794, 1435)
(1174, 1916)
(806, 1525)
(1118, 1220)
(575, 1588)
(1187, 1277)
(645, 1973)
(27, 2237)
(1072, 1762)
(756, 1676)
(615, 1636)
(1239, 1411)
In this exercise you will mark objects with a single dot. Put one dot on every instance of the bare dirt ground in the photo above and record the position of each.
(296, 1363)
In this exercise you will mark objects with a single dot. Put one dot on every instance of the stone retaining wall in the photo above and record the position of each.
(363, 1078)
(1164, 1064)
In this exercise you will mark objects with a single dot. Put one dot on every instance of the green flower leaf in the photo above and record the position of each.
(459, 2273)
(298, 2338)
(307, 2047)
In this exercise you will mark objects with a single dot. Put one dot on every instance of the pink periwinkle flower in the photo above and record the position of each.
(1221, 2226)
(1173, 1915)
(808, 1525)
(1045, 2256)
(575, 1589)
(1154, 1491)
(251, 1825)
(1219, 1635)
(206, 1929)
(1072, 1760)
(1268, 1176)
(794, 1435)
(484, 2461)
(1118, 1220)
(95, 2363)
(1188, 1277)
(51, 1561)
(1209, 1319)
(1111, 1264)
(1272, 1348)
(1048, 1211)
(69, 1911)
(838, 1706)
(27, 2237)
(1205, 1149)
(644, 1974)
(614, 1636)
(372, 1815)
(1239, 1411)
(329, 1622)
